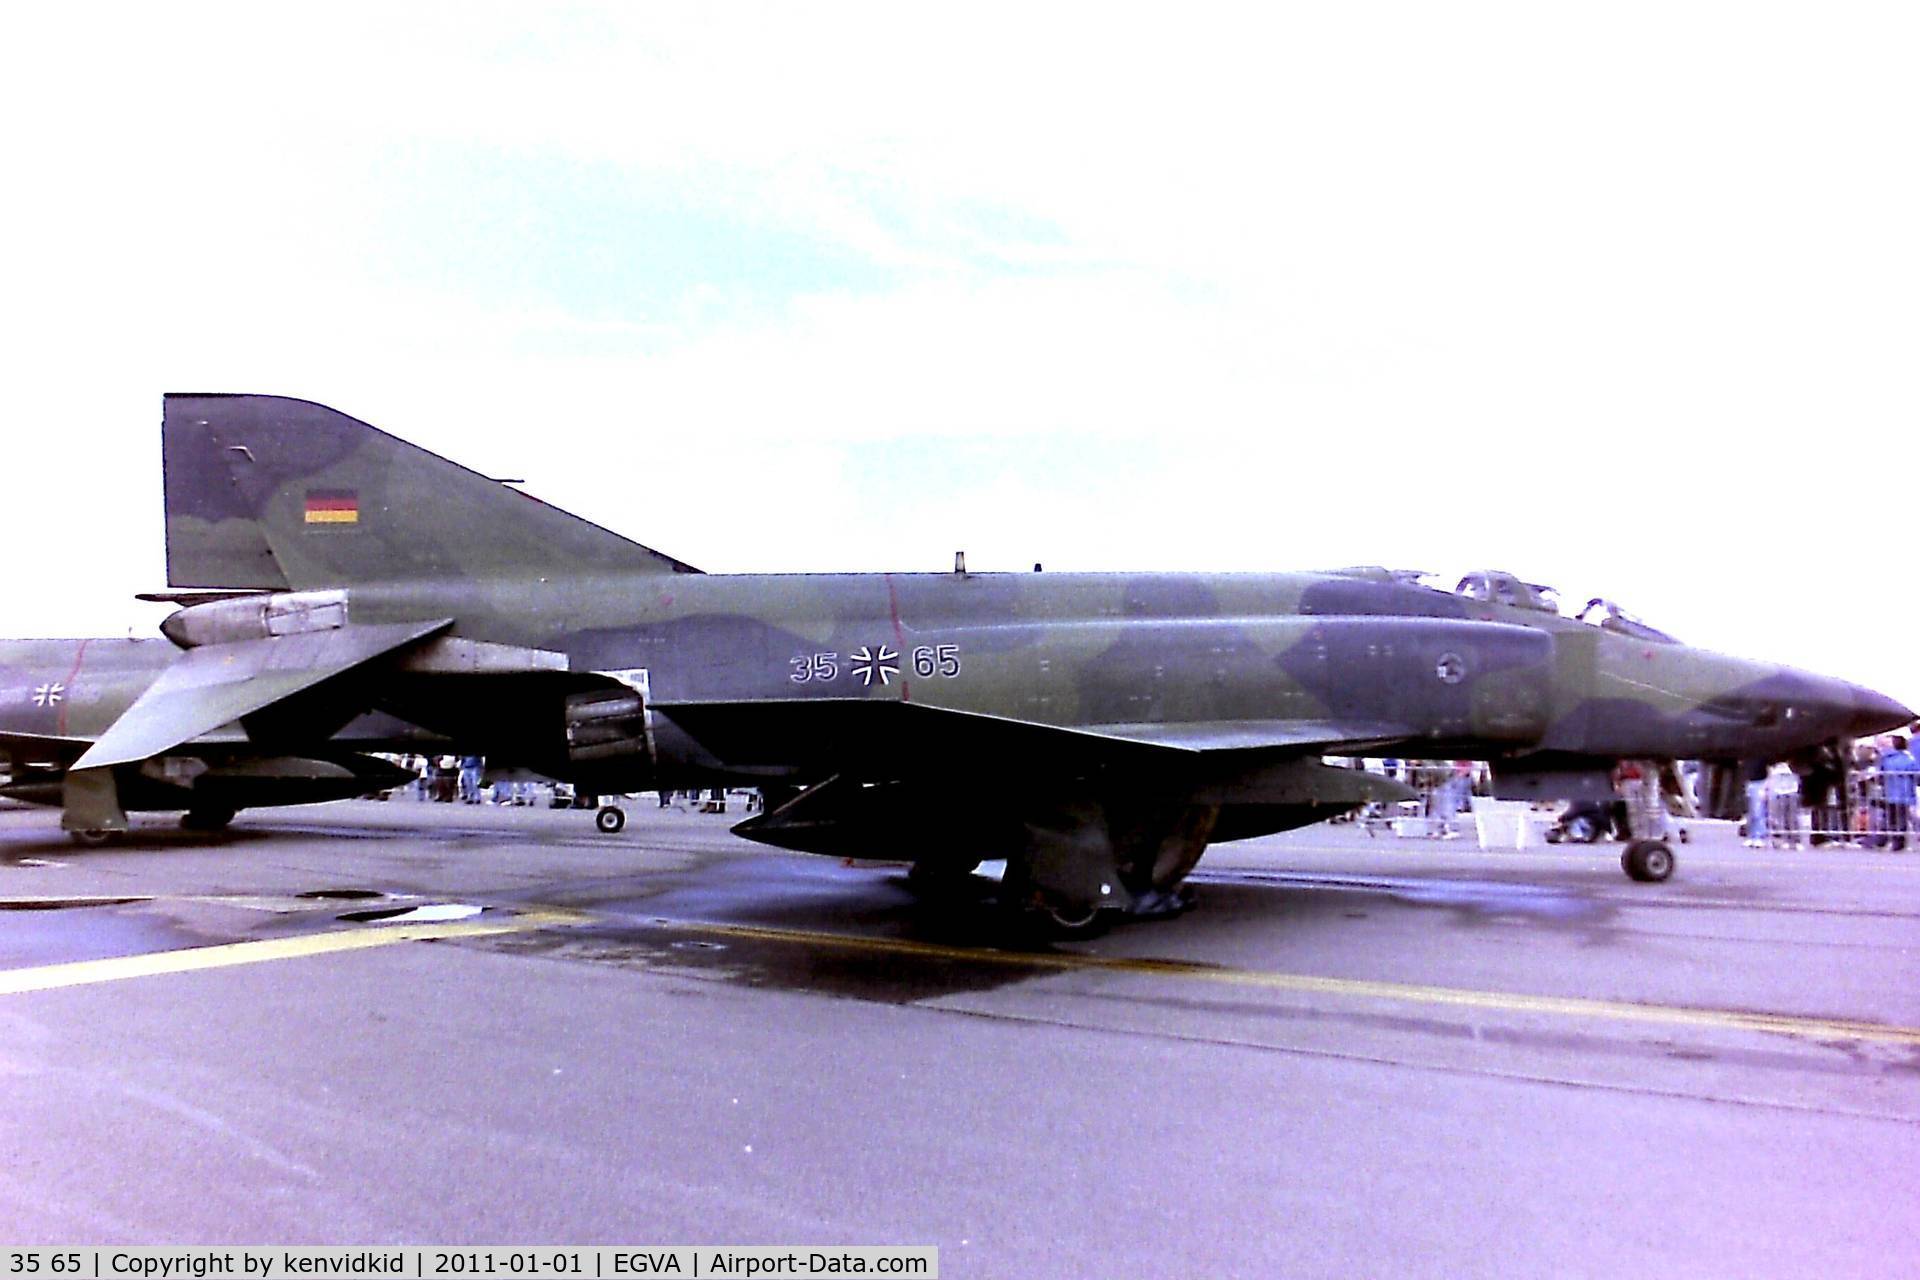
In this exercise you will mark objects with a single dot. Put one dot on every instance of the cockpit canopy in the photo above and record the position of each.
(1503, 588)
(1497, 587)
(1609, 616)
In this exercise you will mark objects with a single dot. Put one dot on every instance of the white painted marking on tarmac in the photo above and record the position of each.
(216, 1125)
(82, 973)
(435, 913)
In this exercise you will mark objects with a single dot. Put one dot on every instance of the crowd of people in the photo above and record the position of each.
(463, 780)
(1863, 797)
(1864, 801)
(447, 779)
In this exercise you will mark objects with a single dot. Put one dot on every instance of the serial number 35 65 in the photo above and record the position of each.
(927, 661)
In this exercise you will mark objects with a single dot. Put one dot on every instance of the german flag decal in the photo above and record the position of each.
(333, 506)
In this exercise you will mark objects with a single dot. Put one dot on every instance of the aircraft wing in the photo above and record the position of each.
(217, 684)
(892, 733)
(1316, 737)
(1253, 767)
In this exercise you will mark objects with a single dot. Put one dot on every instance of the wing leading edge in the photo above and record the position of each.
(889, 735)
(217, 684)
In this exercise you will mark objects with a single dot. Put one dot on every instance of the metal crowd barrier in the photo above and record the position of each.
(1857, 816)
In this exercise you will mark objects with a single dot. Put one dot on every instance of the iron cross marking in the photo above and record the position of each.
(874, 664)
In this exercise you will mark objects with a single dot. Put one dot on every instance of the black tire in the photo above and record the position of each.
(1648, 861)
(1071, 924)
(1582, 830)
(93, 838)
(211, 818)
(610, 819)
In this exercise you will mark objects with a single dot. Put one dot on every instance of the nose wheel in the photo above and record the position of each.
(1649, 861)
(610, 819)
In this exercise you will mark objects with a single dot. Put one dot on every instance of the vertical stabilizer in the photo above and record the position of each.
(275, 493)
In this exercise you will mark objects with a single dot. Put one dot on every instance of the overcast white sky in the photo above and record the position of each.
(1623, 297)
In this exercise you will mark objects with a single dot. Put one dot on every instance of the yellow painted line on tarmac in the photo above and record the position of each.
(82, 973)
(1351, 988)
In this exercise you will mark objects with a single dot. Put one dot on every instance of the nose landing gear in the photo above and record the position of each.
(1649, 861)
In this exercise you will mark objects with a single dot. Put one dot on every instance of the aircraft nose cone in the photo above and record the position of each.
(1877, 713)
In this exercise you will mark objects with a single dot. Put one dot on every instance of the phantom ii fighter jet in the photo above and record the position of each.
(1097, 731)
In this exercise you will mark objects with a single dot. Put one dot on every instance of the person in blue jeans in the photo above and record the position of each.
(1897, 769)
(470, 779)
(1757, 805)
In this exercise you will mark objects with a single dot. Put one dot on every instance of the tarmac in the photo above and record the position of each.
(408, 1023)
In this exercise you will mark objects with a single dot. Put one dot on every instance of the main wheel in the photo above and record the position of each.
(1072, 924)
(1582, 830)
(610, 819)
(1041, 918)
(1649, 861)
(209, 818)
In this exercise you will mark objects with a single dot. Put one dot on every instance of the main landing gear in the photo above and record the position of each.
(1072, 923)
(1033, 915)
(610, 819)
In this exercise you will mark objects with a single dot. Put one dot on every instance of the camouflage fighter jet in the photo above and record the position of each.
(58, 697)
(1098, 731)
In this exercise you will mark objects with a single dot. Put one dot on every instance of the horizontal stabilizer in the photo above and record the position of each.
(217, 684)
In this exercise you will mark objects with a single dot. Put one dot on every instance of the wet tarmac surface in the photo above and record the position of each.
(367, 1022)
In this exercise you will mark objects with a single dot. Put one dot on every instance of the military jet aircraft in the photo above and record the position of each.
(57, 697)
(1098, 731)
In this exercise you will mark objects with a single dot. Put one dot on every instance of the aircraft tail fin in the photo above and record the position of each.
(273, 493)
